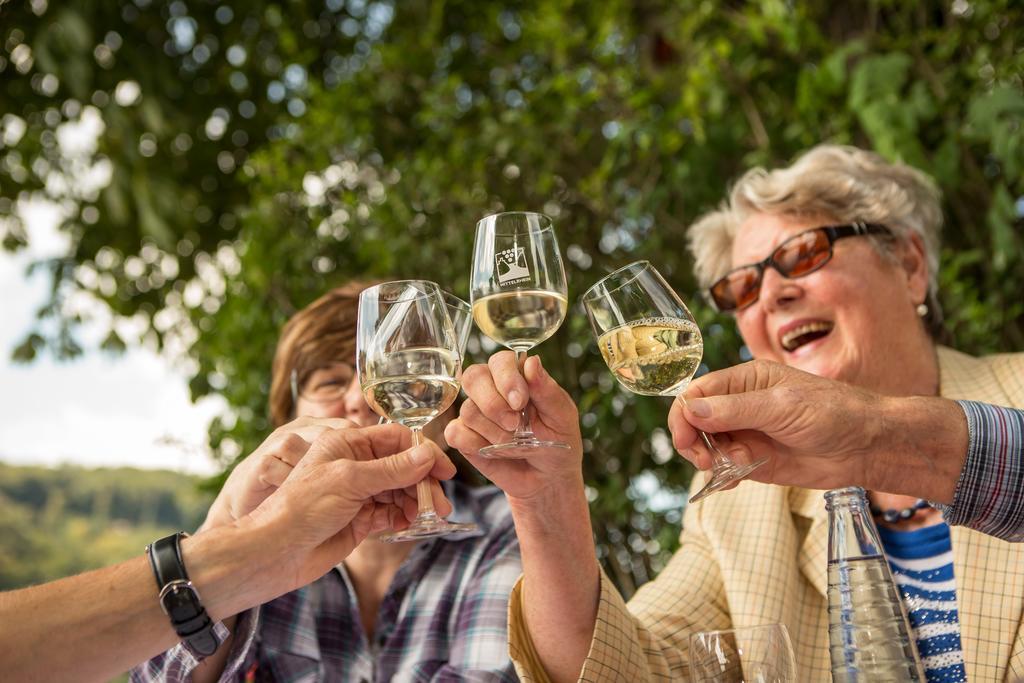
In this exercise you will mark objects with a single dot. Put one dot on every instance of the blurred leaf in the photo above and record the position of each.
(1000, 219)
(113, 343)
(26, 351)
(999, 116)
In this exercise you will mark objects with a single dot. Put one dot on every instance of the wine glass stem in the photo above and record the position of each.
(524, 430)
(424, 497)
(718, 459)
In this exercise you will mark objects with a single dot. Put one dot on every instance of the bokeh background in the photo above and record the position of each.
(215, 166)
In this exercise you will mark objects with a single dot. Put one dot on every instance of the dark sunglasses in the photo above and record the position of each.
(800, 255)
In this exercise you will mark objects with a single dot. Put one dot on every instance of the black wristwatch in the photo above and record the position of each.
(179, 599)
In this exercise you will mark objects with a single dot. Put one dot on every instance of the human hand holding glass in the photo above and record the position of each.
(409, 364)
(653, 346)
(756, 654)
(519, 297)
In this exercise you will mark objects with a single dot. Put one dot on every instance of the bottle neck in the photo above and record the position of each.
(851, 531)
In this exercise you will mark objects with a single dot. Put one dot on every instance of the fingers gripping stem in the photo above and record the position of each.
(424, 497)
(524, 430)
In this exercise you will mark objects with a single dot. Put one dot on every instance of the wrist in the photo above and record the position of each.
(546, 510)
(920, 449)
(232, 568)
(553, 526)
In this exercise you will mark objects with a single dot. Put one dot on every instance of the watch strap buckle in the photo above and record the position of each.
(179, 598)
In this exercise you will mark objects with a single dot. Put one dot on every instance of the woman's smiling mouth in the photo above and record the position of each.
(795, 335)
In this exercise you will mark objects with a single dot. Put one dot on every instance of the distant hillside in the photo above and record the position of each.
(58, 522)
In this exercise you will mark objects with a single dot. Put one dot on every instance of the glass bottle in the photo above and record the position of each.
(868, 632)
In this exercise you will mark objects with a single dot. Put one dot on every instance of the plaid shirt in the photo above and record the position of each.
(444, 617)
(990, 494)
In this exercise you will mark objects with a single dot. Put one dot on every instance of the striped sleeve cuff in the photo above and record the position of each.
(989, 496)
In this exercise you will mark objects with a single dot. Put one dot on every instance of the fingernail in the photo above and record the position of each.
(515, 398)
(699, 407)
(688, 454)
(420, 454)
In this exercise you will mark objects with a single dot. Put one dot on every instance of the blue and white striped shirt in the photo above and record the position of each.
(922, 564)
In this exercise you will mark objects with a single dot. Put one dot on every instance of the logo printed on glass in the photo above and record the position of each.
(510, 265)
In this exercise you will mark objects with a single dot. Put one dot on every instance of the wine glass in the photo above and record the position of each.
(519, 299)
(653, 346)
(757, 654)
(410, 367)
(461, 314)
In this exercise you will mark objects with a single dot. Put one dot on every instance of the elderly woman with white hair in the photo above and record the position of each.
(828, 266)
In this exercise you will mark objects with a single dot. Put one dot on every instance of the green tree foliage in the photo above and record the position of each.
(59, 522)
(622, 120)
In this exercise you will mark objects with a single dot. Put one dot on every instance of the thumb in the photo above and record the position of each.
(553, 404)
(754, 410)
(749, 376)
(371, 477)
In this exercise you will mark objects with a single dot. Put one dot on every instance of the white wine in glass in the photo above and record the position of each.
(653, 346)
(653, 356)
(409, 361)
(519, 299)
(520, 319)
(461, 315)
(412, 386)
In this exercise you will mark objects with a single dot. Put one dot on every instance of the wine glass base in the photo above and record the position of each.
(520, 449)
(724, 477)
(426, 528)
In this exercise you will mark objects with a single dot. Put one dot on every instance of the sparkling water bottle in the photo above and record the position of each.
(868, 632)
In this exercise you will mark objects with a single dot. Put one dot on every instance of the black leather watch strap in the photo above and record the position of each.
(178, 597)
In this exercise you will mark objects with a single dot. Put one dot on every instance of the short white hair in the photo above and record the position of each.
(841, 183)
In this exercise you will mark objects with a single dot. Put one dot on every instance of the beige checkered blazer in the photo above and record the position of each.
(758, 555)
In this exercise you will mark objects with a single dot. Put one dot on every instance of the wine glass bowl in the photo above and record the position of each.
(648, 339)
(461, 314)
(755, 654)
(409, 362)
(653, 346)
(519, 297)
(519, 320)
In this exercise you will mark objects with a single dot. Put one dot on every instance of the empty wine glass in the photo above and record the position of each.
(757, 654)
(461, 314)
(410, 366)
(519, 299)
(652, 345)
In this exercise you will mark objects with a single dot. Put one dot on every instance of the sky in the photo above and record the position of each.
(97, 410)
